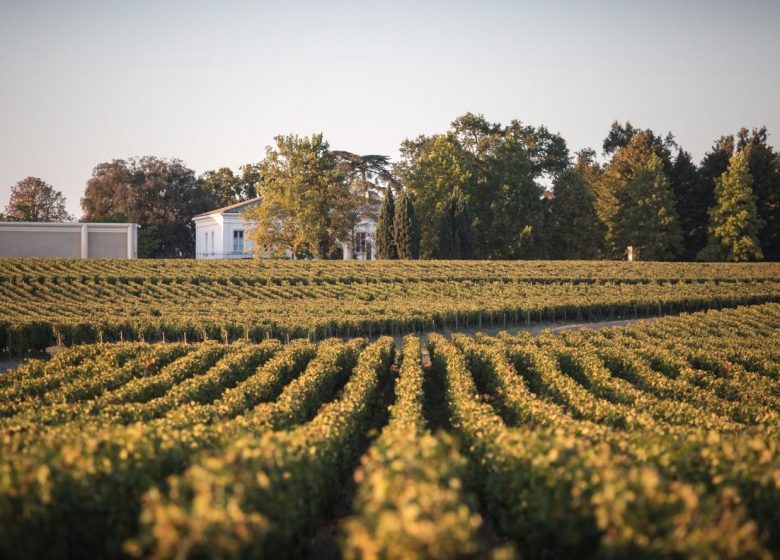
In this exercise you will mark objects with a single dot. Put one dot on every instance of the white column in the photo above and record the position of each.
(130, 244)
(84, 241)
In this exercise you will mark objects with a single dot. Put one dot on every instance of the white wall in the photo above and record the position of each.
(70, 239)
(232, 223)
(221, 227)
(208, 236)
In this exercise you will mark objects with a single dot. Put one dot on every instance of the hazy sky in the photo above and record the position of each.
(211, 83)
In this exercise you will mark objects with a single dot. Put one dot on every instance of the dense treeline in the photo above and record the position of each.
(478, 190)
(526, 197)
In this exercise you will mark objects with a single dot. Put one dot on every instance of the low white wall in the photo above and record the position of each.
(75, 240)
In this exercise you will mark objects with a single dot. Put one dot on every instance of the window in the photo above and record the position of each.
(238, 241)
(363, 244)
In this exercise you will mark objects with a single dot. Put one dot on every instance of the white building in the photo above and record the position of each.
(361, 247)
(223, 234)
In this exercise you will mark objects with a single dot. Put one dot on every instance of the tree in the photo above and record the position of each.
(650, 218)
(227, 188)
(367, 177)
(613, 190)
(734, 223)
(407, 233)
(34, 200)
(764, 165)
(159, 194)
(307, 203)
(385, 241)
(432, 179)
(618, 137)
(576, 231)
(499, 171)
(691, 203)
(514, 221)
(714, 164)
(456, 239)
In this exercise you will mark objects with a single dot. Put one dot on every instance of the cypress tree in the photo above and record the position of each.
(456, 237)
(732, 234)
(692, 202)
(406, 230)
(385, 229)
(464, 234)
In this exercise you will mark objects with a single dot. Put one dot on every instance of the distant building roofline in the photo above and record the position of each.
(232, 209)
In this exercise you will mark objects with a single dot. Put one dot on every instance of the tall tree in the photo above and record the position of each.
(576, 231)
(714, 164)
(306, 201)
(619, 136)
(228, 188)
(650, 218)
(34, 200)
(500, 171)
(734, 223)
(432, 179)
(368, 175)
(407, 232)
(691, 202)
(161, 195)
(613, 190)
(764, 165)
(385, 241)
(515, 219)
(456, 239)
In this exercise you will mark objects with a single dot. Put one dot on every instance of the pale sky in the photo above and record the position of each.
(211, 83)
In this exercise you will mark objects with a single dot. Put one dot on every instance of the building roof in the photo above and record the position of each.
(236, 208)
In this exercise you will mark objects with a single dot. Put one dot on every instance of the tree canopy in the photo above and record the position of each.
(499, 171)
(479, 189)
(159, 194)
(650, 220)
(764, 166)
(34, 200)
(226, 187)
(576, 231)
(307, 205)
(734, 222)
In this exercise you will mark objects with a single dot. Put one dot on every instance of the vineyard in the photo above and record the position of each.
(65, 302)
(657, 440)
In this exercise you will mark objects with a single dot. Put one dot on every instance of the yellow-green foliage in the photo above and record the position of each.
(410, 501)
(48, 301)
(659, 439)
